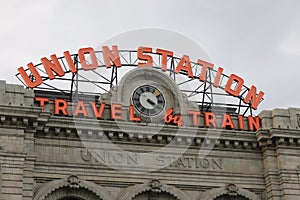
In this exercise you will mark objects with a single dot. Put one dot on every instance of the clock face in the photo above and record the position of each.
(148, 100)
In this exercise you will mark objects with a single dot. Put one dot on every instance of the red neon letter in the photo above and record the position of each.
(218, 77)
(42, 101)
(83, 61)
(170, 118)
(255, 100)
(52, 66)
(131, 114)
(70, 61)
(116, 111)
(80, 109)
(34, 82)
(195, 115)
(97, 113)
(111, 56)
(227, 122)
(241, 122)
(164, 57)
(210, 118)
(253, 123)
(185, 65)
(205, 65)
(145, 57)
(60, 106)
(239, 84)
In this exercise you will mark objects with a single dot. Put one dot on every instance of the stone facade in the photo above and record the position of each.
(43, 157)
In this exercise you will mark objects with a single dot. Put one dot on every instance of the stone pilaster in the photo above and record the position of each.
(17, 126)
(280, 138)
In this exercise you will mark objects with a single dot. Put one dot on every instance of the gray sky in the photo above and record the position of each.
(258, 40)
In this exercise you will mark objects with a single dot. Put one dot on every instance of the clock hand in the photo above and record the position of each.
(151, 102)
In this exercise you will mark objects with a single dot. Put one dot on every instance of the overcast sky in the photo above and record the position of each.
(256, 39)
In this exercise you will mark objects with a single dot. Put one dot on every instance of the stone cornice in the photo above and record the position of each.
(32, 118)
(278, 136)
(19, 117)
(93, 129)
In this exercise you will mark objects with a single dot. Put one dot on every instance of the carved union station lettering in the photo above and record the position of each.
(191, 162)
(133, 159)
(111, 157)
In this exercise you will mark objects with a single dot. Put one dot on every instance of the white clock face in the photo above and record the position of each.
(148, 100)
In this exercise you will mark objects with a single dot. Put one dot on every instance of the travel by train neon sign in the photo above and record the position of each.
(88, 60)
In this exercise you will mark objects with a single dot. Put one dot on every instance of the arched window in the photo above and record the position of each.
(228, 192)
(150, 195)
(67, 193)
(71, 188)
(228, 197)
(71, 198)
(152, 190)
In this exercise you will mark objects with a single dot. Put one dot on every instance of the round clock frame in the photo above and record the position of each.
(148, 100)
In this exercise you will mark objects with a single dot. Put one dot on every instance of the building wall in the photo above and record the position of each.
(43, 157)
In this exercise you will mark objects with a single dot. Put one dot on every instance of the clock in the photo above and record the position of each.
(148, 100)
(151, 92)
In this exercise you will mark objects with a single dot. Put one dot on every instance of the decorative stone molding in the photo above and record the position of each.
(298, 173)
(143, 134)
(74, 181)
(278, 137)
(229, 189)
(71, 182)
(155, 186)
(21, 117)
(232, 189)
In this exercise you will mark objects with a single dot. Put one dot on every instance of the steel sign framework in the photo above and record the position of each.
(94, 83)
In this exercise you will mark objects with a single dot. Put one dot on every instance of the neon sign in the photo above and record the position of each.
(111, 58)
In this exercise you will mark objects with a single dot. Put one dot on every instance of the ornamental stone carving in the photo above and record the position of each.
(231, 189)
(155, 185)
(74, 181)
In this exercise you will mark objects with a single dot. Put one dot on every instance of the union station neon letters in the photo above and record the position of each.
(111, 57)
